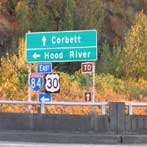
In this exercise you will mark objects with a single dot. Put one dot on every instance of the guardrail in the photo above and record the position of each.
(101, 104)
(133, 104)
(42, 105)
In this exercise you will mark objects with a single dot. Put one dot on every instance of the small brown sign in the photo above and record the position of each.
(87, 67)
(88, 96)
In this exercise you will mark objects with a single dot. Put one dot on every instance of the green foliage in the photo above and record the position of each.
(69, 67)
(40, 17)
(13, 75)
(104, 64)
(109, 62)
(111, 19)
(81, 78)
(68, 15)
(108, 83)
(11, 6)
(92, 15)
(136, 90)
(116, 62)
(9, 80)
(64, 17)
(88, 15)
(22, 12)
(134, 58)
(22, 76)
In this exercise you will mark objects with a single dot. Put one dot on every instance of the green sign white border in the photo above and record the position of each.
(62, 47)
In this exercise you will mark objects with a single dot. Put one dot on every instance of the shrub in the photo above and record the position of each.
(134, 59)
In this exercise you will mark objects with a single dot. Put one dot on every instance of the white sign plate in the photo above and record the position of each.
(52, 82)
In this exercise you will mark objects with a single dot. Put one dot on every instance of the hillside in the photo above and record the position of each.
(121, 71)
(115, 18)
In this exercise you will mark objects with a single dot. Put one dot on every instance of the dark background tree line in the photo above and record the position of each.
(111, 18)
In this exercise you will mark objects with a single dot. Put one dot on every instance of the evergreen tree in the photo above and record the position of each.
(22, 15)
(105, 63)
(40, 18)
(68, 15)
(90, 15)
(62, 18)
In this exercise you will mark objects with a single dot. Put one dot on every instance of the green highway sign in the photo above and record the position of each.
(61, 46)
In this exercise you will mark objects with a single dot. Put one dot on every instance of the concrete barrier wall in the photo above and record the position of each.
(59, 123)
(116, 122)
(136, 124)
(53, 123)
(16, 121)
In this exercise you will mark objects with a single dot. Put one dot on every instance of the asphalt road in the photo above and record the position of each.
(24, 144)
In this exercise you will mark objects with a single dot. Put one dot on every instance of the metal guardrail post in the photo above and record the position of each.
(130, 112)
(103, 109)
(130, 106)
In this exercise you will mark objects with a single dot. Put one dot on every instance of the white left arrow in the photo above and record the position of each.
(44, 40)
(44, 99)
(35, 55)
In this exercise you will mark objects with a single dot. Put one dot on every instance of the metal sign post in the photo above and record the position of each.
(87, 82)
(29, 89)
(60, 46)
(88, 68)
(93, 83)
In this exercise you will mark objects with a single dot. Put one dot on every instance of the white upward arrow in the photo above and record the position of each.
(35, 55)
(44, 40)
(88, 96)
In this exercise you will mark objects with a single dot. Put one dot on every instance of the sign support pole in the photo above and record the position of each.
(93, 84)
(29, 90)
(87, 82)
(42, 108)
